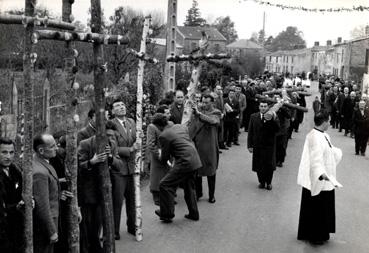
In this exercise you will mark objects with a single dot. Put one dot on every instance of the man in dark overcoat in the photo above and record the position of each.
(176, 109)
(263, 128)
(203, 130)
(122, 180)
(11, 217)
(232, 108)
(361, 128)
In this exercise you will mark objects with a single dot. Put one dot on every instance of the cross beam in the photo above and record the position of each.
(300, 91)
(272, 100)
(142, 56)
(181, 58)
(81, 37)
(27, 20)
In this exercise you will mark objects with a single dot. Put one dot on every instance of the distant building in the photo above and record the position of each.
(292, 61)
(242, 48)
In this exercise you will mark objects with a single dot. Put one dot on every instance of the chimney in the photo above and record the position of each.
(316, 44)
(367, 30)
(329, 43)
(339, 40)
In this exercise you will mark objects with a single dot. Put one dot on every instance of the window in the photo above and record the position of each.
(270, 58)
(291, 69)
(193, 45)
(216, 48)
(277, 59)
(366, 57)
(287, 59)
(292, 59)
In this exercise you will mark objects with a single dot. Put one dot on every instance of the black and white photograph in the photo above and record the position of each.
(186, 126)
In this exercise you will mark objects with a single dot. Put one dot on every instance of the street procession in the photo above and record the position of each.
(184, 126)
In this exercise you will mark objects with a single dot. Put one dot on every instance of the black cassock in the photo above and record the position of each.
(261, 137)
(317, 216)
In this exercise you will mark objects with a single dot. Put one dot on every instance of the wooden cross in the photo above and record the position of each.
(198, 60)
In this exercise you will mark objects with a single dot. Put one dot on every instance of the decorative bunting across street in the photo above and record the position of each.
(302, 8)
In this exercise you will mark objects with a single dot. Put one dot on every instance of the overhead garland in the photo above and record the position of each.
(302, 8)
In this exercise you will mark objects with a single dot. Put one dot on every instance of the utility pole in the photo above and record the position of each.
(170, 67)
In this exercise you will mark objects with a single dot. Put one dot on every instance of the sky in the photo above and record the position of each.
(247, 15)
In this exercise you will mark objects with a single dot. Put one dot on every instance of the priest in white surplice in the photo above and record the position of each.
(317, 176)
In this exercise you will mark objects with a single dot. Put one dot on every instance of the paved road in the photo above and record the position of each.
(247, 219)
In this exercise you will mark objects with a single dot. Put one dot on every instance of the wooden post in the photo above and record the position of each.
(170, 67)
(139, 133)
(45, 105)
(28, 61)
(71, 117)
(101, 139)
(14, 99)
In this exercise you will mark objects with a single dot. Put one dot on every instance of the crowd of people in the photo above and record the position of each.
(178, 155)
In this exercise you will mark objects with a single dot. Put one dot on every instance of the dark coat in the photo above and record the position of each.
(88, 175)
(203, 130)
(158, 169)
(11, 219)
(46, 192)
(231, 116)
(176, 113)
(261, 138)
(85, 133)
(125, 140)
(348, 108)
(317, 106)
(175, 142)
(361, 122)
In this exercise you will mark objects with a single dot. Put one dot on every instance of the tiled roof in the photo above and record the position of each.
(244, 44)
(194, 32)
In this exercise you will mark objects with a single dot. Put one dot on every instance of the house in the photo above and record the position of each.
(292, 61)
(189, 37)
(242, 48)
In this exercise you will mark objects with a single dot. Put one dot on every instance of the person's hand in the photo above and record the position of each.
(54, 238)
(108, 150)
(79, 214)
(21, 205)
(66, 194)
(250, 150)
(136, 146)
(269, 115)
(98, 158)
(324, 177)
(195, 109)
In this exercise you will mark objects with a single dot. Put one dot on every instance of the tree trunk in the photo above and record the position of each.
(101, 140)
(28, 126)
(71, 139)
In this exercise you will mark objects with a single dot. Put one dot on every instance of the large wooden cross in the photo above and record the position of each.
(198, 59)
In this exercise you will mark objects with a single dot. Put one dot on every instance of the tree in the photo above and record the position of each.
(268, 42)
(359, 32)
(289, 39)
(226, 27)
(261, 37)
(254, 37)
(193, 17)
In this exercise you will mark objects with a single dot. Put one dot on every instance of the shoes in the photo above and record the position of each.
(236, 143)
(212, 200)
(192, 217)
(229, 144)
(164, 219)
(132, 231)
(356, 153)
(269, 187)
(199, 197)
(279, 164)
(317, 242)
(117, 236)
(225, 148)
(157, 203)
(261, 186)
(220, 152)
(362, 154)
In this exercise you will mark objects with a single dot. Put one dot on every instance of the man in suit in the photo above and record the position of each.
(176, 109)
(361, 128)
(232, 108)
(347, 112)
(219, 104)
(89, 189)
(46, 194)
(90, 129)
(11, 217)
(122, 180)
(261, 141)
(175, 143)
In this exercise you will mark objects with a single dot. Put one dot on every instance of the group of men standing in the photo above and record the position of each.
(348, 109)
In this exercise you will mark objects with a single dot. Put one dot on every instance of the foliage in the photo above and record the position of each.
(358, 32)
(254, 37)
(226, 27)
(289, 39)
(193, 17)
(261, 37)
